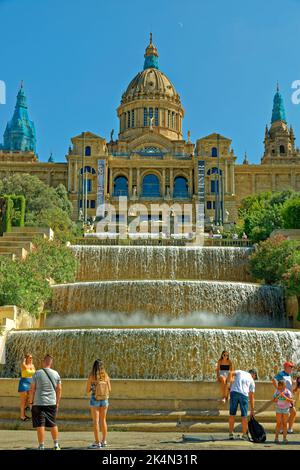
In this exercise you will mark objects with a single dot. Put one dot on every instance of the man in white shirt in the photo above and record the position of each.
(242, 389)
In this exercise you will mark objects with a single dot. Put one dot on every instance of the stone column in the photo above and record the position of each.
(138, 189)
(161, 117)
(163, 188)
(232, 178)
(273, 183)
(111, 188)
(130, 183)
(171, 183)
(70, 166)
(226, 176)
(105, 179)
(293, 180)
(191, 183)
(253, 184)
(75, 177)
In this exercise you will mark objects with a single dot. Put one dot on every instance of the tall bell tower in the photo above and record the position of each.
(279, 140)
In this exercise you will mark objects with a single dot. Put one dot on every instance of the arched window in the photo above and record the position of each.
(181, 187)
(282, 149)
(150, 187)
(120, 186)
(88, 169)
(88, 151)
(214, 152)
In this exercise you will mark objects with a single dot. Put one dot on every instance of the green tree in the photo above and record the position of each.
(25, 283)
(273, 258)
(45, 206)
(291, 280)
(291, 213)
(263, 213)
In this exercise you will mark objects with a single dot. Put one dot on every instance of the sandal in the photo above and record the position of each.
(25, 419)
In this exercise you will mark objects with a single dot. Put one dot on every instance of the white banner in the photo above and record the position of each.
(100, 188)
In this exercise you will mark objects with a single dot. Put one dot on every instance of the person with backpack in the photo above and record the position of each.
(241, 391)
(98, 384)
(45, 394)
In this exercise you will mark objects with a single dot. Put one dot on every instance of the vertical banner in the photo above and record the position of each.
(201, 194)
(201, 179)
(100, 188)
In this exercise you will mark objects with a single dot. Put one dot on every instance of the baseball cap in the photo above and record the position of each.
(288, 364)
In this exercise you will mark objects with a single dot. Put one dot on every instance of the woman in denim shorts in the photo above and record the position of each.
(98, 407)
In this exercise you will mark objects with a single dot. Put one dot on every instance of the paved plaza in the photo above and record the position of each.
(22, 440)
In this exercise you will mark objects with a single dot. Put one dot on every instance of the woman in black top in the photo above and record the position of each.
(224, 366)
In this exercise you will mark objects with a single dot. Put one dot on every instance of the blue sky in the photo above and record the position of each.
(76, 58)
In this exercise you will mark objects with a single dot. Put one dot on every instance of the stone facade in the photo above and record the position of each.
(150, 162)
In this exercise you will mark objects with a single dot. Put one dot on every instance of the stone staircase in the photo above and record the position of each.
(150, 406)
(18, 242)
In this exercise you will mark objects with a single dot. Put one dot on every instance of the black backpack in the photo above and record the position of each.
(256, 431)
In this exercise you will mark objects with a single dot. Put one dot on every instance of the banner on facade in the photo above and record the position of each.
(100, 188)
(201, 179)
(201, 196)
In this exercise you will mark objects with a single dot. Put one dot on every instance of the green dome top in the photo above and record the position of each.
(278, 112)
(20, 131)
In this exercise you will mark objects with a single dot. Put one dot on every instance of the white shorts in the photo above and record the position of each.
(224, 373)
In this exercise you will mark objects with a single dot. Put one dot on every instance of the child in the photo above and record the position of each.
(283, 399)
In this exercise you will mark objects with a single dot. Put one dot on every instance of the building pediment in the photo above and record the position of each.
(88, 135)
(150, 140)
(214, 136)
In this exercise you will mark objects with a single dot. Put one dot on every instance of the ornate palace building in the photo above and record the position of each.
(150, 161)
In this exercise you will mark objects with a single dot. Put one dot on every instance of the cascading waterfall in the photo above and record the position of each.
(160, 283)
(172, 298)
(98, 263)
(154, 353)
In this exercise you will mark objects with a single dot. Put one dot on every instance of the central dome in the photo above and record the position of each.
(150, 83)
(150, 102)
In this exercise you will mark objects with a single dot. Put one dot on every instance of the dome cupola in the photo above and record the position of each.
(150, 101)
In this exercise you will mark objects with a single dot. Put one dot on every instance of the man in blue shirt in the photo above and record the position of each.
(286, 375)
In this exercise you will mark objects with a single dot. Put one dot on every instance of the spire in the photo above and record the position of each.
(151, 56)
(278, 112)
(246, 161)
(51, 159)
(20, 131)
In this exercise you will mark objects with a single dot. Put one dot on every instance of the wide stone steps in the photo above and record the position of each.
(143, 405)
(146, 422)
(22, 237)
(19, 251)
(18, 242)
(24, 244)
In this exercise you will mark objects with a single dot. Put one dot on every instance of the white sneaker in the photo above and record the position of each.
(95, 445)
(41, 447)
(103, 444)
(290, 431)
